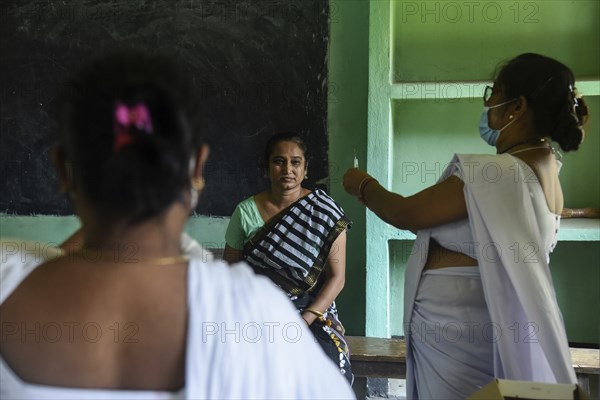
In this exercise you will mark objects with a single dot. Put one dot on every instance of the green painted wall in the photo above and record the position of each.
(575, 270)
(347, 125)
(208, 231)
(462, 40)
(43, 228)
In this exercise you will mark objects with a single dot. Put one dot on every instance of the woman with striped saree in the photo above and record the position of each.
(297, 238)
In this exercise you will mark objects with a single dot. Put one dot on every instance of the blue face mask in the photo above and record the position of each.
(488, 134)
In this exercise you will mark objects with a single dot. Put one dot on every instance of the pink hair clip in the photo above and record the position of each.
(137, 116)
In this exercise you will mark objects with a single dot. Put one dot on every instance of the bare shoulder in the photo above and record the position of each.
(545, 168)
(543, 164)
(81, 317)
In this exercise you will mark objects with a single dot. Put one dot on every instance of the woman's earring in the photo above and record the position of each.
(510, 117)
(198, 183)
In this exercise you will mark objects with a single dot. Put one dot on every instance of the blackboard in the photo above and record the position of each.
(259, 66)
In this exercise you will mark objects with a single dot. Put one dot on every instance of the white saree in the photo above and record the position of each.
(505, 205)
(243, 333)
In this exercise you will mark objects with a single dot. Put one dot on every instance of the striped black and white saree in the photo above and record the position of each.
(292, 250)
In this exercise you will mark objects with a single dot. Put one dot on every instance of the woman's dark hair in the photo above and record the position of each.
(549, 87)
(141, 176)
(283, 137)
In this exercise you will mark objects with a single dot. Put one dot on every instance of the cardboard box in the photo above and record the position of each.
(503, 389)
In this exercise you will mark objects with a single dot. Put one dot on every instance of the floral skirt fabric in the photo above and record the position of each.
(329, 333)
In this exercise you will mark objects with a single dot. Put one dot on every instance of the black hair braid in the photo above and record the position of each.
(568, 131)
(553, 106)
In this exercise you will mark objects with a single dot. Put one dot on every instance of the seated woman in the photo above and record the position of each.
(128, 315)
(297, 238)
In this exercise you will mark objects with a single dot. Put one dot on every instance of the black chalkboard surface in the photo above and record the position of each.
(260, 67)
